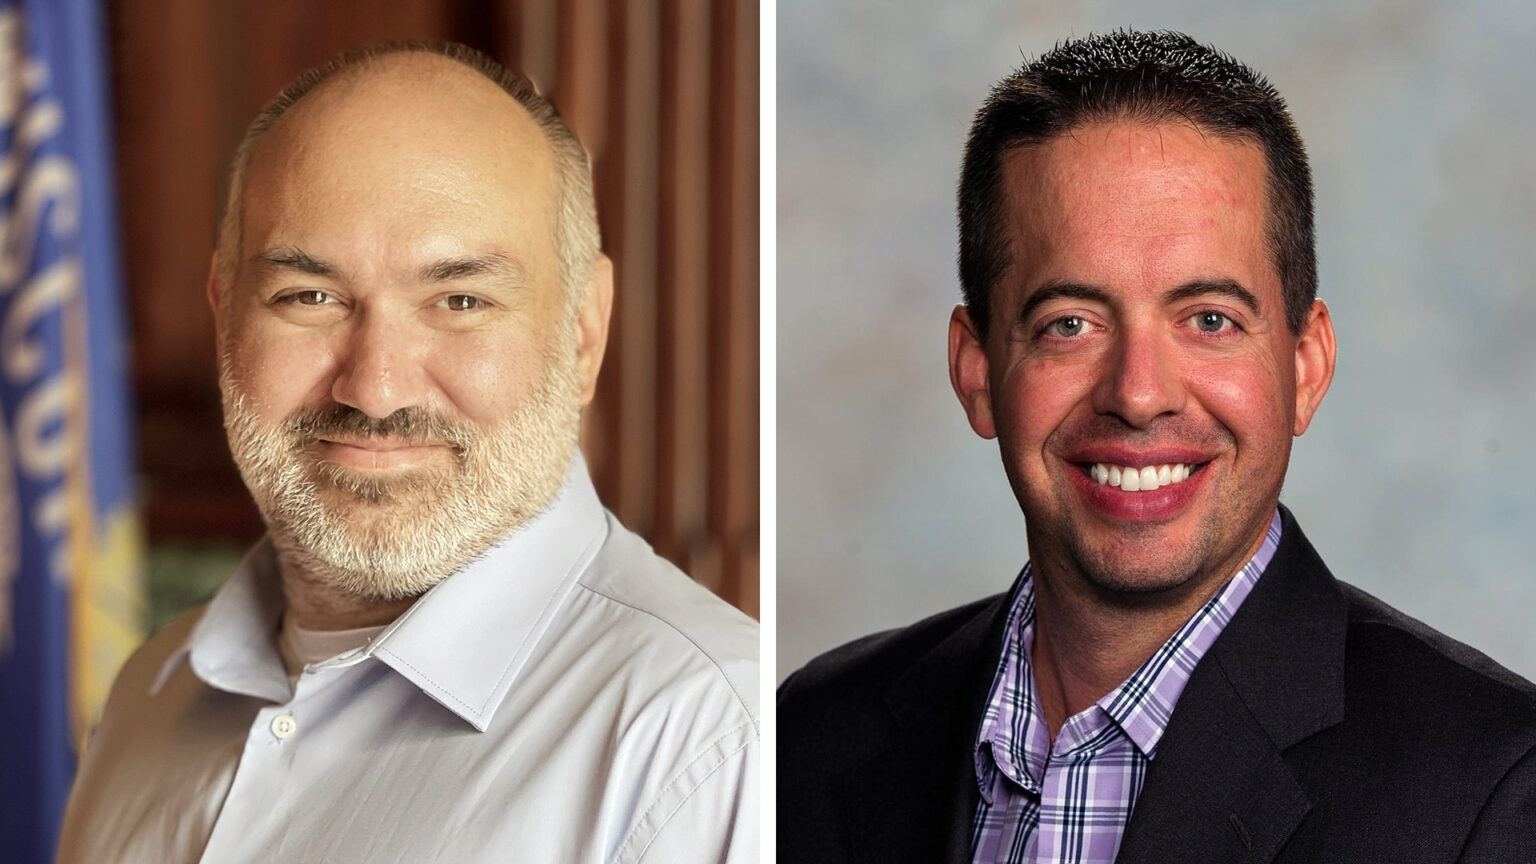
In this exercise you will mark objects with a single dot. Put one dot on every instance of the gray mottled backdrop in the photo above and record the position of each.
(1417, 480)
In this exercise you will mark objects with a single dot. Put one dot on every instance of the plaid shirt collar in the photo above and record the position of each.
(1014, 738)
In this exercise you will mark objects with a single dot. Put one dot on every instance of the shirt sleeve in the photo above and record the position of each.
(710, 814)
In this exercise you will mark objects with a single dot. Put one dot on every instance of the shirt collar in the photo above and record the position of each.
(1012, 737)
(1142, 704)
(463, 643)
(234, 644)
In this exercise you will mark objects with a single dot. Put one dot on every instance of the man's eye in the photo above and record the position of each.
(462, 302)
(1067, 326)
(1211, 322)
(309, 298)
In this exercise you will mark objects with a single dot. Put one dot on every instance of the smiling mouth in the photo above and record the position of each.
(378, 455)
(1146, 478)
(377, 444)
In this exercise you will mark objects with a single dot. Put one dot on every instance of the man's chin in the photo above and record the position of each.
(1148, 569)
(378, 551)
(343, 487)
(402, 517)
(1143, 584)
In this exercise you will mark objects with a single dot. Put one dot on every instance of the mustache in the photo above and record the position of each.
(412, 425)
(1108, 429)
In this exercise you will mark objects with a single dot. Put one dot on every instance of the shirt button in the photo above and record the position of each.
(283, 726)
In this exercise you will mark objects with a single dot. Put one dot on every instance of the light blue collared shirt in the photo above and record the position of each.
(568, 696)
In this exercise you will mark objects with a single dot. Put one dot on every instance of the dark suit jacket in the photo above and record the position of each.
(1322, 726)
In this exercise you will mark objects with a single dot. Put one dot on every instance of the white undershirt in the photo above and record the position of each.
(300, 646)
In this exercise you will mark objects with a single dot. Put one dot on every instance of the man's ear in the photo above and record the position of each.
(213, 291)
(592, 326)
(1314, 364)
(968, 372)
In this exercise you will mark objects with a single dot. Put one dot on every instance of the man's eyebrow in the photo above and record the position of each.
(493, 264)
(294, 258)
(1222, 287)
(1054, 290)
(1189, 290)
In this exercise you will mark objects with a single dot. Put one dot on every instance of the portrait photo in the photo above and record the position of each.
(1416, 125)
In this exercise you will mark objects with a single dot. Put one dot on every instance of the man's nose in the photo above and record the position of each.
(379, 366)
(1140, 379)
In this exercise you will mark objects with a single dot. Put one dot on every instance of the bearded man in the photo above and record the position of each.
(445, 649)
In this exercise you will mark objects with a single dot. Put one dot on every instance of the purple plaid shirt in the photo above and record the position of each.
(1069, 802)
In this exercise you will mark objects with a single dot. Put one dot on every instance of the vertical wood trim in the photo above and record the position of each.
(583, 70)
(602, 423)
(534, 24)
(681, 495)
(733, 389)
(747, 320)
(635, 297)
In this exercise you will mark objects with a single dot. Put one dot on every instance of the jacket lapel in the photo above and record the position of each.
(1216, 792)
(915, 800)
(1219, 789)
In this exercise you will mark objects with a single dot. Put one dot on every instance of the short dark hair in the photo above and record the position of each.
(1142, 77)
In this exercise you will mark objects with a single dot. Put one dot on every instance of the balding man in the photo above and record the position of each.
(445, 649)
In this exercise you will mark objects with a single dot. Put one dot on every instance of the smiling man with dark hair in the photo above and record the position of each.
(1175, 676)
(445, 649)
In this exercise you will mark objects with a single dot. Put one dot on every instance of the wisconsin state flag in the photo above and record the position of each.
(70, 581)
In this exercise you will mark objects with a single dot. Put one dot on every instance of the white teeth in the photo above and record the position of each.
(1143, 479)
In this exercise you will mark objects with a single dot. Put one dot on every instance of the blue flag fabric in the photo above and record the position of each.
(69, 598)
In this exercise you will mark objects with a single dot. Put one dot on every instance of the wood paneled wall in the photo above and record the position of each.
(664, 95)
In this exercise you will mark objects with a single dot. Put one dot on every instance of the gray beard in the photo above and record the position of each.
(395, 536)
